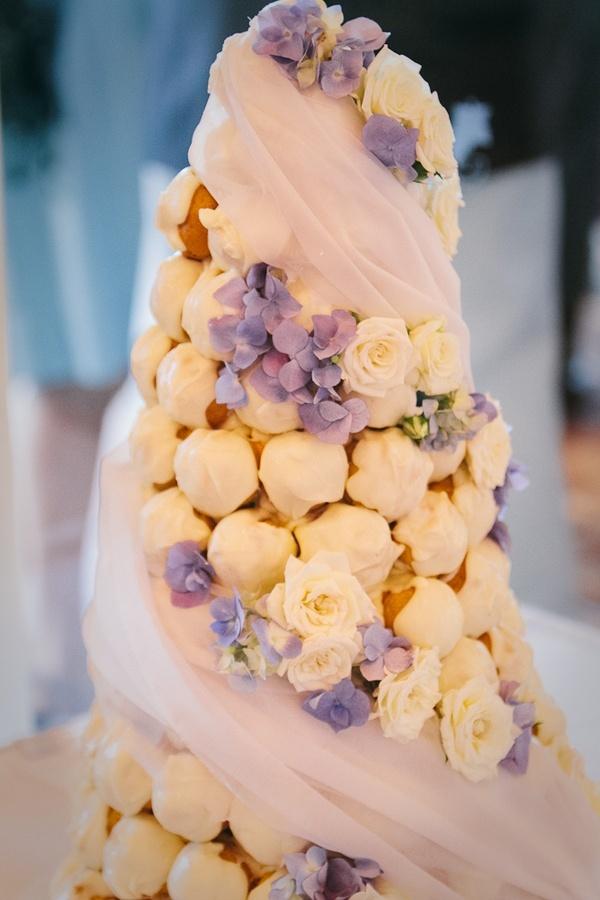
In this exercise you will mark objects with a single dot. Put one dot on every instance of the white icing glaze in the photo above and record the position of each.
(467, 660)
(201, 306)
(260, 840)
(146, 355)
(120, 781)
(432, 617)
(436, 534)
(185, 383)
(249, 553)
(199, 872)
(362, 534)
(299, 472)
(392, 473)
(188, 800)
(167, 518)
(152, 444)
(174, 280)
(138, 856)
(216, 470)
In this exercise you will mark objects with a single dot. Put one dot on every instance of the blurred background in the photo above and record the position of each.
(99, 100)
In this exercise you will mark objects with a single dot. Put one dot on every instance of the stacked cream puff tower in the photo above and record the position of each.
(246, 487)
(413, 617)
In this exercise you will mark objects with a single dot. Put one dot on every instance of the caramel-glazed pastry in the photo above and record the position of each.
(178, 211)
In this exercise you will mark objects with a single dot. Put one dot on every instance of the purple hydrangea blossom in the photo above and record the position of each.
(334, 422)
(294, 341)
(292, 35)
(392, 143)
(268, 298)
(384, 653)
(516, 479)
(440, 425)
(229, 615)
(319, 875)
(482, 406)
(229, 391)
(283, 30)
(344, 706)
(340, 75)
(332, 334)
(275, 643)
(363, 34)
(189, 575)
(500, 534)
(516, 760)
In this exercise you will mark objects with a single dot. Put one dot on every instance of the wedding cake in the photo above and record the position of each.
(311, 673)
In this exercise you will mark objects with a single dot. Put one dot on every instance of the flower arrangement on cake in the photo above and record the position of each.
(312, 676)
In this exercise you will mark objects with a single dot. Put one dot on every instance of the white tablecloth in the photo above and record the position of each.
(36, 774)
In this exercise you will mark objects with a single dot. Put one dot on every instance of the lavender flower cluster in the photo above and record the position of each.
(516, 479)
(517, 759)
(318, 874)
(287, 361)
(441, 422)
(347, 705)
(299, 38)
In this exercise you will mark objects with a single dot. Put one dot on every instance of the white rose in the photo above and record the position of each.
(513, 656)
(389, 410)
(436, 534)
(392, 473)
(446, 462)
(201, 306)
(406, 700)
(468, 659)
(201, 871)
(216, 470)
(478, 509)
(265, 415)
(432, 617)
(323, 662)
(166, 519)
(174, 280)
(188, 800)
(227, 247)
(393, 87)
(174, 204)
(249, 553)
(489, 453)
(266, 845)
(320, 597)
(436, 138)
(379, 356)
(477, 729)
(299, 471)
(439, 364)
(185, 383)
(445, 200)
(483, 593)
(152, 445)
(361, 534)
(147, 352)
